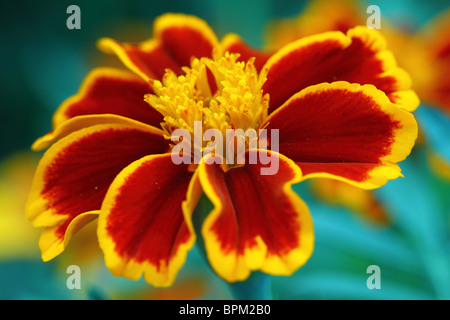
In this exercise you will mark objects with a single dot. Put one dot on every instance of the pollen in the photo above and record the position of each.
(222, 92)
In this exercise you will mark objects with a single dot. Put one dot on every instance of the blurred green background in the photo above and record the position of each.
(43, 63)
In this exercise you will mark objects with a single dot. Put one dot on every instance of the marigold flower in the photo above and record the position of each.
(340, 104)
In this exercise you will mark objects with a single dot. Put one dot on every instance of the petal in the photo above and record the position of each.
(80, 122)
(74, 174)
(110, 91)
(148, 59)
(345, 131)
(359, 57)
(362, 175)
(177, 38)
(258, 221)
(234, 44)
(185, 36)
(142, 229)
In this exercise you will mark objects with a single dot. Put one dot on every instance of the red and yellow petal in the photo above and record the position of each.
(74, 174)
(142, 229)
(80, 122)
(185, 36)
(177, 39)
(234, 44)
(110, 91)
(148, 59)
(345, 131)
(258, 221)
(360, 56)
(362, 175)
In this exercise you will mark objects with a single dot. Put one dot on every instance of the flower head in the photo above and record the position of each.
(338, 101)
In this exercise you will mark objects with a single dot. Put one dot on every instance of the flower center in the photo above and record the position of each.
(221, 93)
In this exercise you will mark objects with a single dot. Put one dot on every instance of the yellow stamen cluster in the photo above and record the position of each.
(178, 100)
(238, 102)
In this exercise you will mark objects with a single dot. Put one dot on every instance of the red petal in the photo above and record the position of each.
(141, 225)
(185, 36)
(345, 130)
(149, 59)
(74, 174)
(258, 222)
(80, 122)
(234, 44)
(110, 91)
(177, 39)
(358, 57)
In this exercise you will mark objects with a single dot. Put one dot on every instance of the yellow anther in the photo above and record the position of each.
(236, 100)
